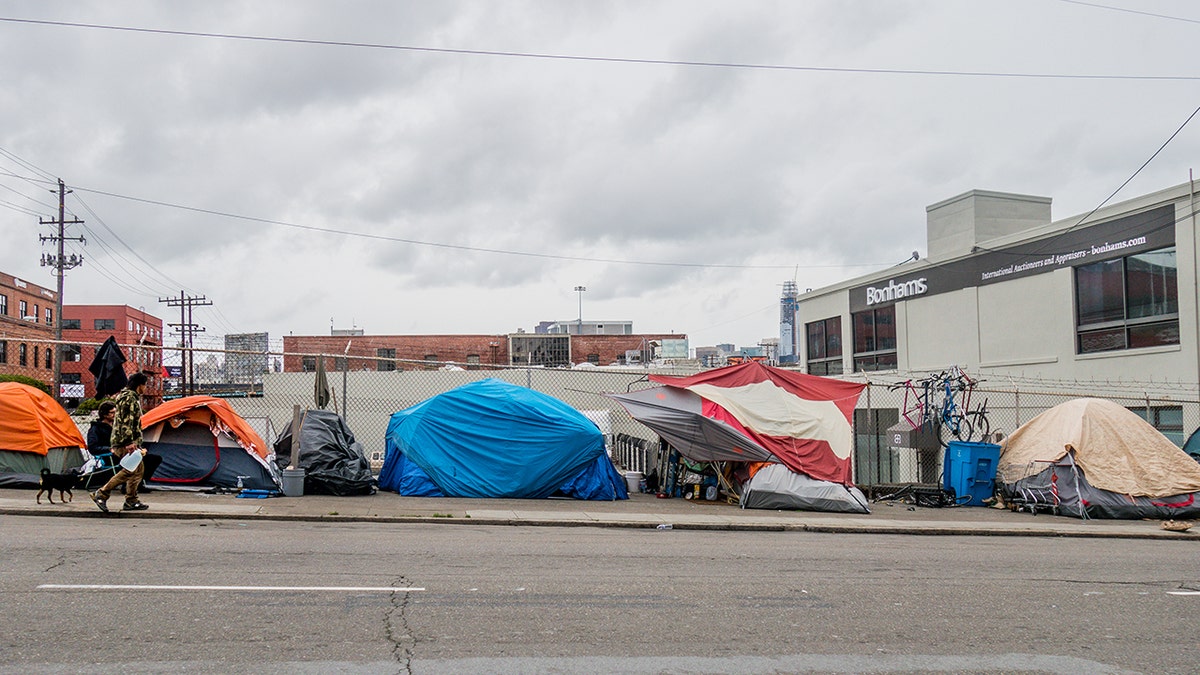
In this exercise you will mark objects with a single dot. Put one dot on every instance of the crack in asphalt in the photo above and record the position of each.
(62, 560)
(397, 631)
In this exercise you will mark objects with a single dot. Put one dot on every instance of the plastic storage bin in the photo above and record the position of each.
(970, 470)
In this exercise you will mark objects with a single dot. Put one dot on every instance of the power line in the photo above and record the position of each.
(1129, 11)
(461, 247)
(603, 59)
(1048, 241)
(145, 262)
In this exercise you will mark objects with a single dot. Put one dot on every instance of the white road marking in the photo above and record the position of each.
(1183, 592)
(139, 587)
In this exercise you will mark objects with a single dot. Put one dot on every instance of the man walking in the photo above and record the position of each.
(126, 438)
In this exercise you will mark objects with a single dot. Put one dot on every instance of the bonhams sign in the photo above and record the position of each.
(896, 291)
(1146, 231)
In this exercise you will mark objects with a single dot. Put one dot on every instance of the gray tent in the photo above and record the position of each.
(778, 487)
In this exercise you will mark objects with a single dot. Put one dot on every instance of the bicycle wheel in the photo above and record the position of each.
(958, 428)
(980, 424)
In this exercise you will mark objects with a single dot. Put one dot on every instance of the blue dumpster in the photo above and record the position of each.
(970, 470)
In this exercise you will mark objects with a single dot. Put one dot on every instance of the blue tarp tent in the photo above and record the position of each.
(495, 439)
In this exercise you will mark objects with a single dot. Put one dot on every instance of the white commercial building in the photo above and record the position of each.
(1010, 295)
(1005, 289)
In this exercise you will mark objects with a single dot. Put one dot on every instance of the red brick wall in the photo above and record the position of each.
(16, 331)
(363, 356)
(491, 349)
(146, 358)
(612, 348)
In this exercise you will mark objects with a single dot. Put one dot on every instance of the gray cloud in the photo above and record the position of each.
(820, 175)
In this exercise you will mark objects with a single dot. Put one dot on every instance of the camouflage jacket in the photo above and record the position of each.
(127, 426)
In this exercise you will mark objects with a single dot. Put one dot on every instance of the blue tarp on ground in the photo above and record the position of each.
(495, 439)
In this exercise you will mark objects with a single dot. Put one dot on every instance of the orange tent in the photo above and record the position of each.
(212, 412)
(31, 421)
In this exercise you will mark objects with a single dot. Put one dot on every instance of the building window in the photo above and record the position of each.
(387, 362)
(875, 339)
(341, 364)
(593, 359)
(23, 355)
(24, 306)
(824, 343)
(72, 353)
(472, 362)
(308, 364)
(1127, 303)
(36, 311)
(71, 324)
(3, 305)
(35, 356)
(72, 378)
(104, 324)
(1167, 419)
(49, 358)
(3, 351)
(49, 316)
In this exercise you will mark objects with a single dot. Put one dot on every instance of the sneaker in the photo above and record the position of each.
(135, 506)
(100, 502)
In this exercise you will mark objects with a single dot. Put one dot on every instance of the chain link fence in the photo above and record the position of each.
(885, 455)
(368, 398)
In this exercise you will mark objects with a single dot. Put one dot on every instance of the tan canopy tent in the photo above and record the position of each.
(1120, 466)
(1117, 450)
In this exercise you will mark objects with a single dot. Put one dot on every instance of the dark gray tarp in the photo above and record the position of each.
(778, 487)
(333, 462)
(675, 414)
(1064, 489)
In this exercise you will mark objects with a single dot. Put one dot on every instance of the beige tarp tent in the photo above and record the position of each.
(1117, 450)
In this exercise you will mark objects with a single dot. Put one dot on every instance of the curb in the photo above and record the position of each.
(848, 528)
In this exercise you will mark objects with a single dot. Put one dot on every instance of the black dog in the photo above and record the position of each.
(63, 482)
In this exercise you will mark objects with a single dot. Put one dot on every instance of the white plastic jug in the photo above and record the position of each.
(131, 460)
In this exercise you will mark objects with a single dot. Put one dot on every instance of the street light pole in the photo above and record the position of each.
(580, 290)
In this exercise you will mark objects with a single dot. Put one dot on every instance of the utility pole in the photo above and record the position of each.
(187, 331)
(61, 263)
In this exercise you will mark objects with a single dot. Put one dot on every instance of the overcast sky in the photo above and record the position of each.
(460, 167)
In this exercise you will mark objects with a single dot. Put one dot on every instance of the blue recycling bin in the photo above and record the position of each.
(970, 470)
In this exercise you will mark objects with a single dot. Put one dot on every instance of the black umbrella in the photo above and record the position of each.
(109, 368)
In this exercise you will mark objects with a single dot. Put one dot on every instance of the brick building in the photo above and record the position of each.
(26, 329)
(399, 352)
(140, 335)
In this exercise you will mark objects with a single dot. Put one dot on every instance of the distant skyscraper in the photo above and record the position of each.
(246, 358)
(789, 336)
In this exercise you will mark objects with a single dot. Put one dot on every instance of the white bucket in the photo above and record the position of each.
(632, 480)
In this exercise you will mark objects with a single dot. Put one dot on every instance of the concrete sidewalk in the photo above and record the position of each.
(640, 511)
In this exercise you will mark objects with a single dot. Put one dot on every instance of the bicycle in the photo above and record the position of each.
(919, 410)
(957, 421)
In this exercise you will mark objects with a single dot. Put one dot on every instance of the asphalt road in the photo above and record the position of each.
(457, 598)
